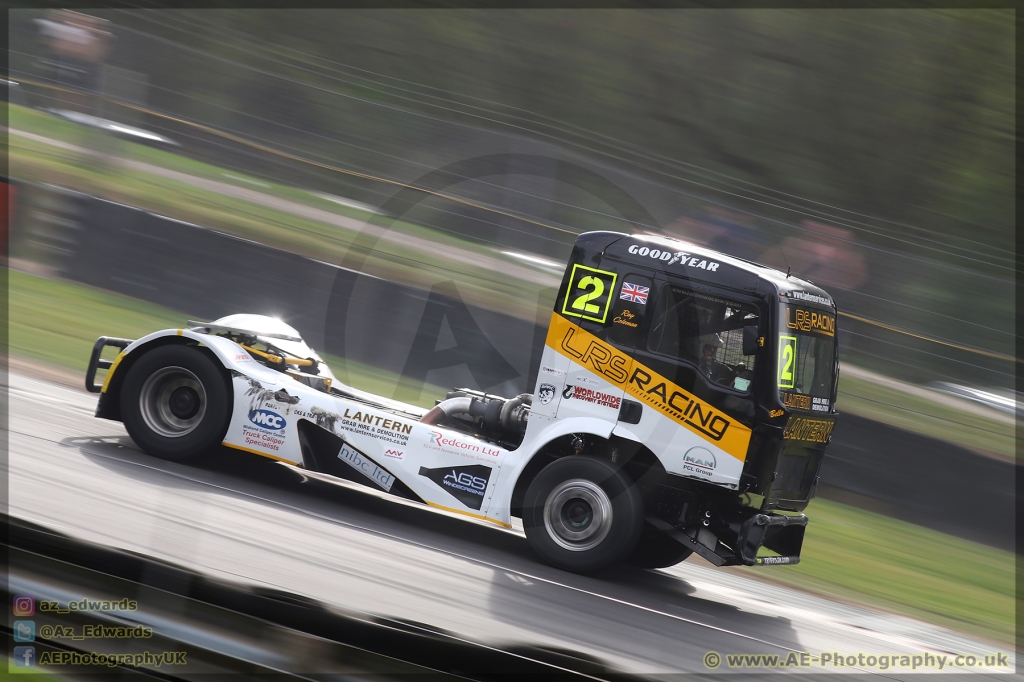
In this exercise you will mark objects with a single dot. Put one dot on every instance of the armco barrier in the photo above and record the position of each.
(435, 337)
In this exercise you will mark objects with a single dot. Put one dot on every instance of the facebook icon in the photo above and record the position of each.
(24, 656)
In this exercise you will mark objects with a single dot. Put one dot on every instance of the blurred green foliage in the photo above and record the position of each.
(897, 124)
(899, 113)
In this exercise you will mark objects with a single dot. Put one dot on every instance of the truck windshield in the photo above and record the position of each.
(806, 356)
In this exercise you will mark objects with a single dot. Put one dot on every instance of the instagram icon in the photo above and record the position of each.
(24, 605)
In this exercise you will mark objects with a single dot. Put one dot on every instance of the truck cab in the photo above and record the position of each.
(717, 377)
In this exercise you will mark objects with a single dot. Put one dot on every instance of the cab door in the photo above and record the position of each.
(698, 406)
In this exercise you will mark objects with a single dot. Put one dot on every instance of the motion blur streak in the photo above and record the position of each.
(262, 53)
(336, 169)
(286, 155)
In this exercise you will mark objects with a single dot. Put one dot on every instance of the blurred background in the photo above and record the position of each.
(449, 158)
(871, 151)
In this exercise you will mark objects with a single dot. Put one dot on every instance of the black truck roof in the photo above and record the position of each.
(687, 260)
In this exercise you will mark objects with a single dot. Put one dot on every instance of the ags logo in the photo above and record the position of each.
(464, 481)
(267, 419)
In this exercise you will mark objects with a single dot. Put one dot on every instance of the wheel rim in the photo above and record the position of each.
(172, 402)
(578, 515)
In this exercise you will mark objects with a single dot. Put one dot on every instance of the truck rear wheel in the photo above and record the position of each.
(175, 403)
(582, 514)
(657, 550)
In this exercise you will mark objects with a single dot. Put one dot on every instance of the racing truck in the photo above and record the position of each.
(682, 406)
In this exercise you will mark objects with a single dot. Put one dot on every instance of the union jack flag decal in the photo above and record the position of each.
(634, 293)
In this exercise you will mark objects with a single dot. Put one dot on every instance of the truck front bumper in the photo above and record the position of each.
(738, 542)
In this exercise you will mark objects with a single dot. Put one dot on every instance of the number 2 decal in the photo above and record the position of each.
(596, 287)
(787, 358)
(589, 295)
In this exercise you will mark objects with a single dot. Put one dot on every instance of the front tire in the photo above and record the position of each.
(582, 514)
(175, 403)
(657, 550)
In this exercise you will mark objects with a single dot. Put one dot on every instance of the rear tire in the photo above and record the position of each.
(175, 403)
(657, 550)
(582, 514)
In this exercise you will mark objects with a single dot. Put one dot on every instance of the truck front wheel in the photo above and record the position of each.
(582, 514)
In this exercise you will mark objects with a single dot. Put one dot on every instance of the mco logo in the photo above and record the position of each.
(267, 419)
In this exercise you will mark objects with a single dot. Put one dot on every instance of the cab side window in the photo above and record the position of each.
(706, 331)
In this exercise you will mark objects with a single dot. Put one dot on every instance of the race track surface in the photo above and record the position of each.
(252, 520)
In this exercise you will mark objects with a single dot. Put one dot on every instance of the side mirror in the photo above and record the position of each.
(750, 341)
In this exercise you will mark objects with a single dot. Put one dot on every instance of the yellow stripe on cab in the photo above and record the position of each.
(643, 383)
